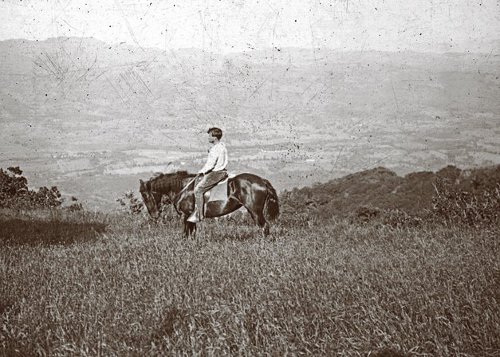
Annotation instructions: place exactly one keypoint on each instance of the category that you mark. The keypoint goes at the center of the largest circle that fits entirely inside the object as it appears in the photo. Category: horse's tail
(271, 206)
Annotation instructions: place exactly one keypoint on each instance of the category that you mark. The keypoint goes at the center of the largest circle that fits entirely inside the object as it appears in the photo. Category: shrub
(14, 192)
(75, 205)
(397, 218)
(453, 205)
(365, 214)
(131, 203)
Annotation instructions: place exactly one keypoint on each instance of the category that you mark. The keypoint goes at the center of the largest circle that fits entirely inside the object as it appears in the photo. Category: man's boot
(194, 217)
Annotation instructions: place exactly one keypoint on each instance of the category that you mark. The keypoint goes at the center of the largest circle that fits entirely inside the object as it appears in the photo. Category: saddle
(219, 192)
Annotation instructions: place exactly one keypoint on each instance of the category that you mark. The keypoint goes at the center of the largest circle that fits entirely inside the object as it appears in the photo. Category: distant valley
(93, 118)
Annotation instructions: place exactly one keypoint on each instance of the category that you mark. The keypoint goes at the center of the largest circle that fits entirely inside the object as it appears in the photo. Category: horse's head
(151, 200)
(164, 188)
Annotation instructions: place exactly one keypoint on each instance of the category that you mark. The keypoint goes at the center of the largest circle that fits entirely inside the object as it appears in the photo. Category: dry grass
(49, 227)
(330, 289)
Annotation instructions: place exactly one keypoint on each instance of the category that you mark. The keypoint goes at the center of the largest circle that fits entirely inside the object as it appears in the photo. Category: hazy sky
(221, 25)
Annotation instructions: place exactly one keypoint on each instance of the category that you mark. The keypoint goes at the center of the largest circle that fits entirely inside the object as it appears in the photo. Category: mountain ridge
(380, 189)
(297, 116)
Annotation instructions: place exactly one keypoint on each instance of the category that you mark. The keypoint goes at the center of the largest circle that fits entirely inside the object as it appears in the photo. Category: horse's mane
(179, 173)
(173, 179)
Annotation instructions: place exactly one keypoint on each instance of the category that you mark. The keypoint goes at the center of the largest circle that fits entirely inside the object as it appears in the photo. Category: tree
(14, 192)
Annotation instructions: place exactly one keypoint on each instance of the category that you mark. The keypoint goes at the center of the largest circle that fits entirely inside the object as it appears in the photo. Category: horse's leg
(255, 206)
(263, 224)
(259, 218)
(185, 227)
(192, 229)
(189, 227)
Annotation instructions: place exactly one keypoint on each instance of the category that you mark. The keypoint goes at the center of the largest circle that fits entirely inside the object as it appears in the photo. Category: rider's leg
(206, 183)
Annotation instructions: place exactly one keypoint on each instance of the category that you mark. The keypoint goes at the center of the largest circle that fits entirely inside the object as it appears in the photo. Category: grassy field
(89, 285)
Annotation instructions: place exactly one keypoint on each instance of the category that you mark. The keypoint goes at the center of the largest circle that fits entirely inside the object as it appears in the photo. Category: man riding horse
(247, 190)
(211, 174)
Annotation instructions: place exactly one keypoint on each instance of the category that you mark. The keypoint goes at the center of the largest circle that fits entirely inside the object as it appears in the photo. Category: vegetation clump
(37, 217)
(130, 203)
(14, 192)
(449, 196)
(453, 204)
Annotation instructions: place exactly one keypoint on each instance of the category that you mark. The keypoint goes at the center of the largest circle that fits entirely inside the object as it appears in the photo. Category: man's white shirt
(217, 158)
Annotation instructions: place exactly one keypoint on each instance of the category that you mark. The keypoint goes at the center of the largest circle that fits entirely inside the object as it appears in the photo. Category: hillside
(380, 188)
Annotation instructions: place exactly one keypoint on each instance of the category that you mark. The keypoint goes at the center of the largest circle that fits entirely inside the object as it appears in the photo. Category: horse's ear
(141, 183)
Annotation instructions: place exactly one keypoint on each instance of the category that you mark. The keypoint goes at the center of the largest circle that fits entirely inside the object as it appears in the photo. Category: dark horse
(254, 193)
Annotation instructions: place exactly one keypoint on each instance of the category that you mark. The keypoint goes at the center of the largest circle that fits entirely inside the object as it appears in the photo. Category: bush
(365, 214)
(453, 205)
(14, 192)
(394, 218)
(400, 219)
(131, 203)
(75, 205)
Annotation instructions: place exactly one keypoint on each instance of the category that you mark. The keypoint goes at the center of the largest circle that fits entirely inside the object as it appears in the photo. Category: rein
(187, 185)
(178, 195)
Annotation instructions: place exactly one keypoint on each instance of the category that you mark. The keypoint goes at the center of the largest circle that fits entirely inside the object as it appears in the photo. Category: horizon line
(273, 49)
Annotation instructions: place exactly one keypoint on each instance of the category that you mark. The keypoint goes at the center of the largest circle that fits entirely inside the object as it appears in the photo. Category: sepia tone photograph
(250, 178)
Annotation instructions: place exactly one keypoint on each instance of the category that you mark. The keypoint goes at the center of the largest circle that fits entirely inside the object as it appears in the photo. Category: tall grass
(49, 227)
(330, 289)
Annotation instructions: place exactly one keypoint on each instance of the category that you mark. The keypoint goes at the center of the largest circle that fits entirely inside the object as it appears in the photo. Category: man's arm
(211, 161)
